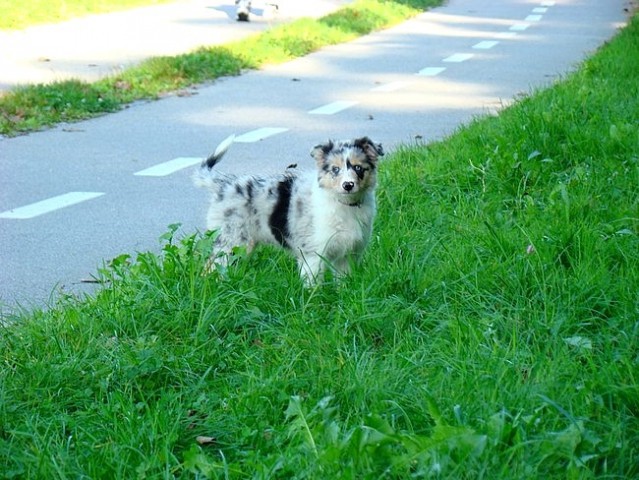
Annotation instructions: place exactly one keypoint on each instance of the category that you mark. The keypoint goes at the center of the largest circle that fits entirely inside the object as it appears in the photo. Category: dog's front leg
(311, 268)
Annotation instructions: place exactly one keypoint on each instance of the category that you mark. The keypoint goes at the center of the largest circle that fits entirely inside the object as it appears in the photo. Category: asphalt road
(77, 195)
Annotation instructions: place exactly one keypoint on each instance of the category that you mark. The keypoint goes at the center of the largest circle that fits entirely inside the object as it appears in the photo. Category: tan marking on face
(346, 171)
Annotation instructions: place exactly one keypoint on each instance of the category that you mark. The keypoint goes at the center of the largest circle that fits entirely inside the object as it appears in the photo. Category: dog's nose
(348, 186)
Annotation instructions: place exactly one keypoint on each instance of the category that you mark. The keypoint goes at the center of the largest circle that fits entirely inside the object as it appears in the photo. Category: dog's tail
(203, 177)
(219, 153)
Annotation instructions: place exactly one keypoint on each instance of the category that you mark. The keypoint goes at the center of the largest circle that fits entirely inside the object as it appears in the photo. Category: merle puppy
(323, 217)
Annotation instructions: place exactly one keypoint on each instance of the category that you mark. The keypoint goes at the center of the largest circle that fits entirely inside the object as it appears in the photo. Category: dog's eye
(357, 168)
(335, 170)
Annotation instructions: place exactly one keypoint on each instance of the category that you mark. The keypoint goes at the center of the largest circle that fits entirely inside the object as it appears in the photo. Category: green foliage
(363, 17)
(322, 445)
(490, 333)
(32, 106)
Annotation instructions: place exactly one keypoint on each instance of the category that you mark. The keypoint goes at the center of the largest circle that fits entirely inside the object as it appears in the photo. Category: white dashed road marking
(458, 57)
(533, 18)
(177, 164)
(332, 108)
(431, 71)
(519, 27)
(49, 205)
(259, 134)
(485, 45)
(167, 168)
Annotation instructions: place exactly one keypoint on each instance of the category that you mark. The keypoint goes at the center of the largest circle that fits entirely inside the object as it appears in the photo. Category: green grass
(33, 107)
(22, 14)
(491, 333)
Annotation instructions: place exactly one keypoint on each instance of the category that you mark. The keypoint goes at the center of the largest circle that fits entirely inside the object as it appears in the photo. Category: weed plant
(32, 107)
(492, 331)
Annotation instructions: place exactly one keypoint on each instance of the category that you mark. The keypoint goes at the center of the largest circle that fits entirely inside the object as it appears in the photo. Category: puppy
(324, 218)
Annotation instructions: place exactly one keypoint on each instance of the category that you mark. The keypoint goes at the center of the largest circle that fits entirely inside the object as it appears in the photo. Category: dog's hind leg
(222, 250)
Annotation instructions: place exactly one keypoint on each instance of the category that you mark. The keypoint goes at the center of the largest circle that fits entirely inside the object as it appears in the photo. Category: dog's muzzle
(348, 186)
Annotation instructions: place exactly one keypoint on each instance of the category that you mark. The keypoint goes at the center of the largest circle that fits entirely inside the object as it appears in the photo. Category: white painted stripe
(458, 57)
(332, 108)
(259, 134)
(390, 87)
(519, 27)
(167, 168)
(533, 18)
(49, 205)
(431, 71)
(548, 4)
(485, 45)
(540, 10)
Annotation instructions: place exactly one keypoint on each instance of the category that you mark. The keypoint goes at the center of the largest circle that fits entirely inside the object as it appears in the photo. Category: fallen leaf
(203, 440)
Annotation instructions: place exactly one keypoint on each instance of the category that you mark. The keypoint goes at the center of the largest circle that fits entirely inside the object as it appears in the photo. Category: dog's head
(348, 168)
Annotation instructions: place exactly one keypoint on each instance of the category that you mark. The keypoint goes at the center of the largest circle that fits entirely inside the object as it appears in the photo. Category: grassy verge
(33, 107)
(492, 331)
(19, 15)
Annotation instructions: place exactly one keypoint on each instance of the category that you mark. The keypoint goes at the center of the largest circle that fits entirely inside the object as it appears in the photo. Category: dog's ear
(320, 151)
(370, 148)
